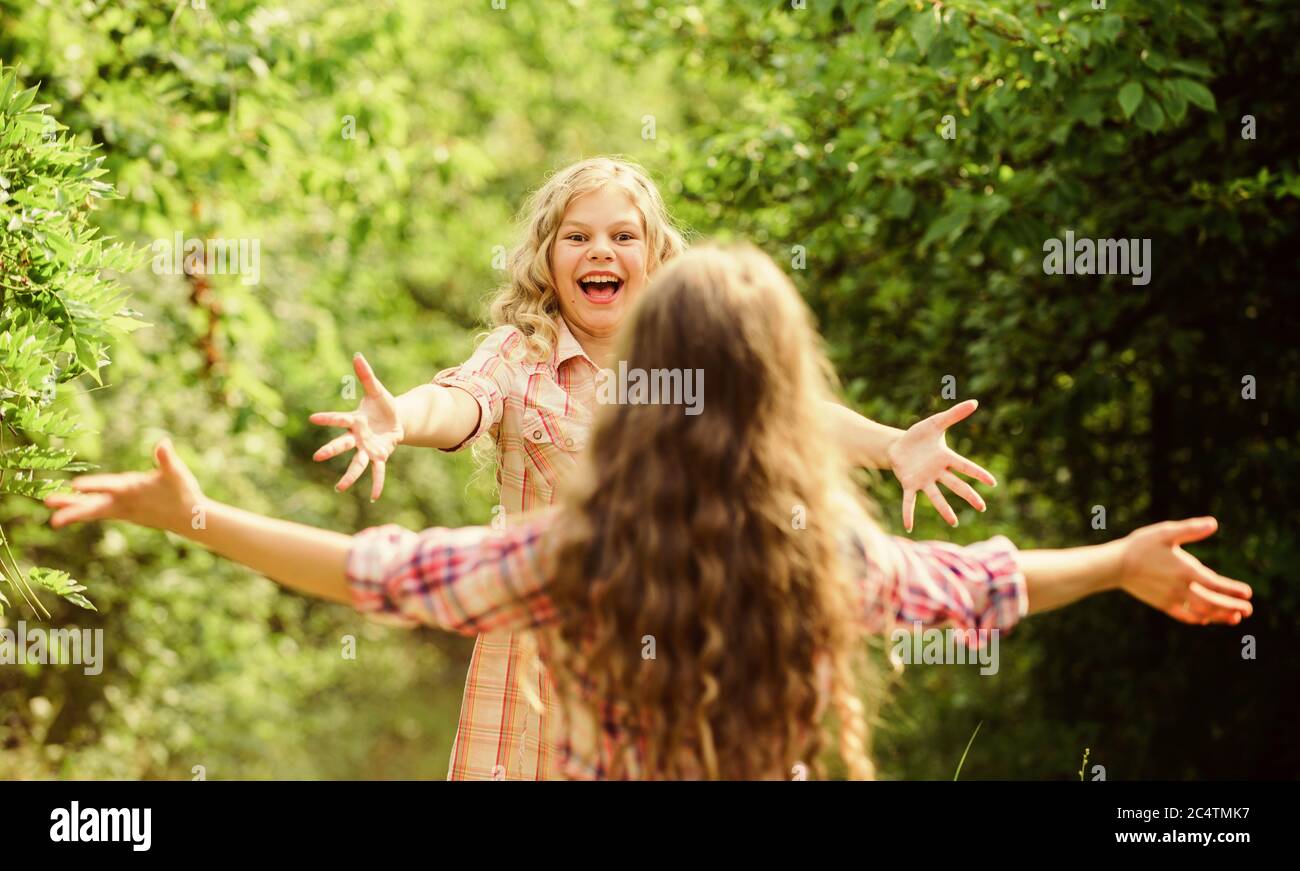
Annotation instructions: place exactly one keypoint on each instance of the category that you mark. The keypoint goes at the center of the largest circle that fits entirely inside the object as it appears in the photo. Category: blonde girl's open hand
(374, 430)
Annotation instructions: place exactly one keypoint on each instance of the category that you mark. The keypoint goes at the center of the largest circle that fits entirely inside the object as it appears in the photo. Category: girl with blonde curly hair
(678, 535)
(593, 235)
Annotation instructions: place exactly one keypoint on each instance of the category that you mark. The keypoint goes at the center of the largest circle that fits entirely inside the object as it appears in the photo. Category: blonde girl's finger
(962, 489)
(332, 418)
(358, 465)
(940, 504)
(335, 447)
(377, 485)
(909, 508)
(369, 382)
(959, 463)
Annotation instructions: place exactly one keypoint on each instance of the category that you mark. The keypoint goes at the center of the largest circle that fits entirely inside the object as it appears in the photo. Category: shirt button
(568, 443)
(537, 434)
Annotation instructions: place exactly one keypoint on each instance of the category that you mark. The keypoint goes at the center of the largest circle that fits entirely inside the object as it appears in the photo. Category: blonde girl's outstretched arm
(458, 406)
(428, 416)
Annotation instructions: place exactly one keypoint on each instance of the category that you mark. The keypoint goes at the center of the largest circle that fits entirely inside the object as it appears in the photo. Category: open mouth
(601, 289)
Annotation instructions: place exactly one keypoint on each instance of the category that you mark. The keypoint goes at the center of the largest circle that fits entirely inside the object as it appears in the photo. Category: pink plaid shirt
(480, 579)
(539, 416)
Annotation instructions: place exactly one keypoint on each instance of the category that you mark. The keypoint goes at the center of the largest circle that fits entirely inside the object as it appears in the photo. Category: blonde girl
(678, 527)
(593, 235)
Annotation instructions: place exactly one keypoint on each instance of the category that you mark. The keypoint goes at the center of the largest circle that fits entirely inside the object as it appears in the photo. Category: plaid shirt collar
(566, 346)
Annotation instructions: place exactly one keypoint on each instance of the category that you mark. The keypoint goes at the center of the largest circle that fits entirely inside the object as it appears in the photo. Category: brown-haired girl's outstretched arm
(301, 557)
(1148, 564)
(918, 456)
(992, 584)
(468, 580)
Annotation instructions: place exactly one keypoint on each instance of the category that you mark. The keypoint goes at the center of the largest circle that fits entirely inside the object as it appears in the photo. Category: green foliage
(57, 307)
(377, 151)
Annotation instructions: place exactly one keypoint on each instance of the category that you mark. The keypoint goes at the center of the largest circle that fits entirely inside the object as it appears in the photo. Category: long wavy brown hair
(717, 538)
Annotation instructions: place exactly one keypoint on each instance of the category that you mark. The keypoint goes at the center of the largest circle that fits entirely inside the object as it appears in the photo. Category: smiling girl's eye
(574, 237)
(625, 237)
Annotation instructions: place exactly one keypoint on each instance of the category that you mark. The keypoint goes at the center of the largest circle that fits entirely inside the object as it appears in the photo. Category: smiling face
(598, 260)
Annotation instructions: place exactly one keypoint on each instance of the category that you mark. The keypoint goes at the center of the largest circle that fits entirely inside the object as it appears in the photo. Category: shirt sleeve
(468, 580)
(488, 376)
(970, 587)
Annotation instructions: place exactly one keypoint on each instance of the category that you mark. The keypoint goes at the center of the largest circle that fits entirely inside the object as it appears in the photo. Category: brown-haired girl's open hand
(374, 429)
(165, 498)
(1156, 570)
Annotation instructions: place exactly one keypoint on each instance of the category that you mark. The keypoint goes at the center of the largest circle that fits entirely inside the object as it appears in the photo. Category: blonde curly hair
(529, 301)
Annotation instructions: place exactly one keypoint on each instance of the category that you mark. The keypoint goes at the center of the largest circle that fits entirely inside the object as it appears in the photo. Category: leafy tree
(57, 308)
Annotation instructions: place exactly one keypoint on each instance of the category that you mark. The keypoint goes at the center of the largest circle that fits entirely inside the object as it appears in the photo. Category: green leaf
(947, 226)
(37, 488)
(7, 89)
(22, 101)
(923, 29)
(60, 584)
(1149, 117)
(901, 202)
(1175, 104)
(35, 457)
(1086, 108)
(88, 356)
(122, 324)
(1155, 60)
(60, 244)
(1109, 29)
(1129, 97)
(1191, 67)
(1196, 93)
